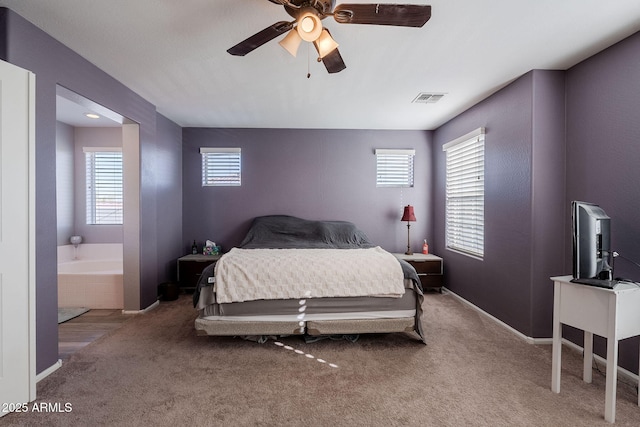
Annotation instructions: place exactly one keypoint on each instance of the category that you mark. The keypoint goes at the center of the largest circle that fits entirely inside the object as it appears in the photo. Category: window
(104, 185)
(394, 168)
(464, 228)
(221, 166)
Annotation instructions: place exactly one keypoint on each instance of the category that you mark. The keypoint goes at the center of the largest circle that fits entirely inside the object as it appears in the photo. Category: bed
(292, 276)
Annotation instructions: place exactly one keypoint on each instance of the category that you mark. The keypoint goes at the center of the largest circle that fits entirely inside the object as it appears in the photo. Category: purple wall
(523, 177)
(547, 190)
(552, 137)
(310, 173)
(28, 47)
(603, 154)
(168, 160)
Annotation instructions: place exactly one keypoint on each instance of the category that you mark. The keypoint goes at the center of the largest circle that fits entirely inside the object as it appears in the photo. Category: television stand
(610, 313)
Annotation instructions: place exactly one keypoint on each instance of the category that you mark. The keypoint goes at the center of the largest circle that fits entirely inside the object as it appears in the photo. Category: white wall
(65, 198)
(92, 137)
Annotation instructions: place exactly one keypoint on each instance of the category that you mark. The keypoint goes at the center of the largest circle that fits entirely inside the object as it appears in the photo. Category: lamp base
(408, 241)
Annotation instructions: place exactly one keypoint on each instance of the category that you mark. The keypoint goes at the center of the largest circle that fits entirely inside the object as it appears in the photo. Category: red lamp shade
(408, 214)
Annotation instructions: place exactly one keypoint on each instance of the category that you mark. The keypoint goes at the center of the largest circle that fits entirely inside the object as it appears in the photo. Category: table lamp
(408, 216)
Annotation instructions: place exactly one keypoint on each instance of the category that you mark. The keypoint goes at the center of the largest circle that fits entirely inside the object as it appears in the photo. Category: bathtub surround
(94, 279)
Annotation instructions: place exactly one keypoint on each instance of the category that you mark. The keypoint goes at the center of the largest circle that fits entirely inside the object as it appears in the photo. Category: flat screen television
(591, 242)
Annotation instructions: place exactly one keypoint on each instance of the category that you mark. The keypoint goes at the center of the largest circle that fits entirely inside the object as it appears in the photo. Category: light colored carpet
(66, 314)
(155, 371)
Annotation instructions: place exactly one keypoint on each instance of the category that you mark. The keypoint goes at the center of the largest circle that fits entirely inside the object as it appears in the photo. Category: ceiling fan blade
(333, 62)
(260, 38)
(401, 15)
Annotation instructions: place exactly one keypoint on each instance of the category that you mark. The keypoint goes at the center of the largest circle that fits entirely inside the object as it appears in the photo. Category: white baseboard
(544, 341)
(50, 370)
(530, 340)
(151, 307)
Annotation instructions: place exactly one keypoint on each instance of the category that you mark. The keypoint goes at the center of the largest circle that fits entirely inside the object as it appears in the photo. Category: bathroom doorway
(83, 129)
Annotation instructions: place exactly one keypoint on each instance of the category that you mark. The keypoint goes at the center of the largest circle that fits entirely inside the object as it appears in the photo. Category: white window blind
(464, 228)
(104, 185)
(394, 168)
(221, 166)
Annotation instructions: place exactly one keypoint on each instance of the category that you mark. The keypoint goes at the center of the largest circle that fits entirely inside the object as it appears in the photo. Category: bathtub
(94, 279)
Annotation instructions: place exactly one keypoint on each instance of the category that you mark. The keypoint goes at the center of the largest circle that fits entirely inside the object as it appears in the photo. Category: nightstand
(190, 269)
(429, 268)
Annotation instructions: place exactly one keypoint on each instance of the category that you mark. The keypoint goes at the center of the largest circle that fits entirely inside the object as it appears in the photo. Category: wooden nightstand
(190, 268)
(429, 268)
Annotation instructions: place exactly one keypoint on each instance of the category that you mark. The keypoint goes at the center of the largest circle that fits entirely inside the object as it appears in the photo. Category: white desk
(610, 313)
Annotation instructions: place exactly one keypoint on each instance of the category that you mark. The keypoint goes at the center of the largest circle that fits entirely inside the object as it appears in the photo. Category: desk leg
(612, 380)
(587, 368)
(612, 364)
(556, 351)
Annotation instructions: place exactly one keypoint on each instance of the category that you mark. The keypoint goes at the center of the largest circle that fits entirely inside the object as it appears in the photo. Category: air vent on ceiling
(428, 98)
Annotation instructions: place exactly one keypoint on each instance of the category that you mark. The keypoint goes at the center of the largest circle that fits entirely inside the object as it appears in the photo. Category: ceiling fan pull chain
(308, 61)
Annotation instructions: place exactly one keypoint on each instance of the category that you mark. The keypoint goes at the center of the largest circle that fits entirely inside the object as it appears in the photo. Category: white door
(17, 237)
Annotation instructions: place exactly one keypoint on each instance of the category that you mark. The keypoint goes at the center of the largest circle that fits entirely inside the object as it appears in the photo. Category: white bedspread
(253, 274)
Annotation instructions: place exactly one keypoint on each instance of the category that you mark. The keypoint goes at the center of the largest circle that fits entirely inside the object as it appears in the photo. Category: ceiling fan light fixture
(291, 42)
(325, 44)
(309, 26)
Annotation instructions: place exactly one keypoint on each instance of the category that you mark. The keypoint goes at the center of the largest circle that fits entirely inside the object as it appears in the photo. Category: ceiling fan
(307, 26)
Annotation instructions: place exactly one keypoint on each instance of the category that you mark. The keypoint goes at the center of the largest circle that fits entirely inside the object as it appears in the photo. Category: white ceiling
(75, 114)
(173, 54)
